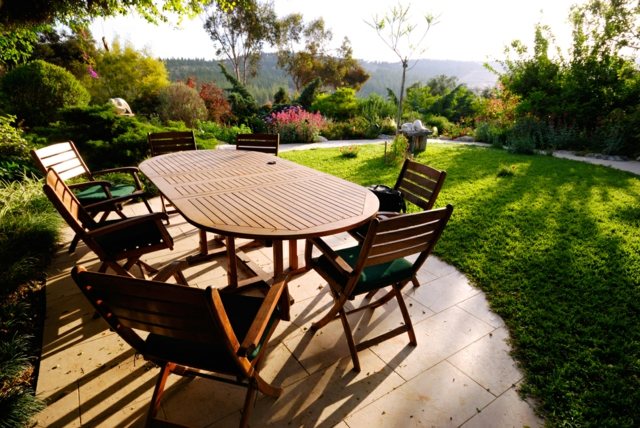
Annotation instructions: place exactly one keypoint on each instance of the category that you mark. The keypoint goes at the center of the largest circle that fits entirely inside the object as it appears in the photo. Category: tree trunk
(405, 63)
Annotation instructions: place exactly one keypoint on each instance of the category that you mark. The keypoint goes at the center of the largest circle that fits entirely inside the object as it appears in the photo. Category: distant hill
(383, 74)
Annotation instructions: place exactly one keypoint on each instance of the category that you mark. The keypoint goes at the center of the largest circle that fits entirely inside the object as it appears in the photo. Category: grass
(555, 245)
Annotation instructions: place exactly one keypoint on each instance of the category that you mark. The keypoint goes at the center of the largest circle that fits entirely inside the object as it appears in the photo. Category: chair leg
(146, 203)
(73, 244)
(158, 391)
(397, 290)
(350, 341)
(249, 401)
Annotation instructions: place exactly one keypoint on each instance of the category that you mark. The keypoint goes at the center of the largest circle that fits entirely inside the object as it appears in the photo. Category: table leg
(202, 244)
(232, 271)
(278, 258)
(293, 254)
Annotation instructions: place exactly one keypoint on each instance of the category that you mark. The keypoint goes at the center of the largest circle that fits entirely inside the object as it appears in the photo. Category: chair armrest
(133, 170)
(331, 255)
(261, 321)
(130, 222)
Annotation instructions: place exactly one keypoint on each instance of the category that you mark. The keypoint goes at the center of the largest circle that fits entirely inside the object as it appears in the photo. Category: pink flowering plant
(295, 124)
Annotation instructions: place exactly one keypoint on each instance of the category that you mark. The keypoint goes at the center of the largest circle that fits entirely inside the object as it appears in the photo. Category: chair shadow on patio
(461, 365)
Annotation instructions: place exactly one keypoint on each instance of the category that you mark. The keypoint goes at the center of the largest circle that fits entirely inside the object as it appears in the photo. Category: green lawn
(555, 245)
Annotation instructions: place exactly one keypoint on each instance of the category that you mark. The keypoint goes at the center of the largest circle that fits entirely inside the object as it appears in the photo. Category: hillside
(383, 74)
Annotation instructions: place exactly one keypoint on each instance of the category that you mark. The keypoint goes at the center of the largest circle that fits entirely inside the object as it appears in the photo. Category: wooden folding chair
(98, 197)
(192, 332)
(265, 143)
(161, 143)
(379, 262)
(118, 243)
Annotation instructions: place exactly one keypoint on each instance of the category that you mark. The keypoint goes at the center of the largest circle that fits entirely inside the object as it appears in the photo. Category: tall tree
(315, 60)
(397, 30)
(239, 34)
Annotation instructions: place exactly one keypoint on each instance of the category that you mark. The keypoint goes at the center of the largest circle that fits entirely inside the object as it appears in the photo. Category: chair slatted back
(403, 236)
(169, 142)
(67, 203)
(170, 310)
(64, 158)
(420, 184)
(265, 143)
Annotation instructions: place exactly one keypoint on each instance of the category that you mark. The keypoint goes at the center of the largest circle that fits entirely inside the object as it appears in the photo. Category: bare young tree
(397, 30)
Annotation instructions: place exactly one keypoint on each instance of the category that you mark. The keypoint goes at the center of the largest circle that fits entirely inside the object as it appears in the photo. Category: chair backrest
(64, 158)
(420, 184)
(266, 143)
(175, 311)
(169, 142)
(67, 203)
(402, 236)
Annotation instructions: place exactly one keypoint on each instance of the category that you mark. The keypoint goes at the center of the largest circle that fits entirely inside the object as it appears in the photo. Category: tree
(215, 102)
(240, 34)
(314, 60)
(398, 27)
(243, 105)
(36, 91)
(70, 50)
(123, 72)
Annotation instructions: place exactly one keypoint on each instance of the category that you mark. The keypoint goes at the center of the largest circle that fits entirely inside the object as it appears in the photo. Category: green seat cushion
(372, 277)
(96, 193)
(214, 356)
(119, 242)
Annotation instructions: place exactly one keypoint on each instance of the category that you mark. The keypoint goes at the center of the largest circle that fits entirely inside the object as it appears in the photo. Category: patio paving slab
(459, 374)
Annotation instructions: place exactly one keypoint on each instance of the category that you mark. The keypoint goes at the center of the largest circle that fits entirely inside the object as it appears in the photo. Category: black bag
(390, 199)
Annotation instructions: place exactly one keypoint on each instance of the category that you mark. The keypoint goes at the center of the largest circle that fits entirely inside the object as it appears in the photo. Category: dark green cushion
(372, 277)
(96, 193)
(241, 311)
(142, 235)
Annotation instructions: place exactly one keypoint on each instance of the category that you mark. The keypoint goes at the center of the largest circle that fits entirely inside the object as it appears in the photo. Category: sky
(467, 30)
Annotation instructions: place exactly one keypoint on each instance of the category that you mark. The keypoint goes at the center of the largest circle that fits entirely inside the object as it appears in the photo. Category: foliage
(594, 93)
(314, 60)
(349, 151)
(209, 130)
(339, 105)
(27, 13)
(295, 125)
(217, 106)
(103, 138)
(180, 102)
(15, 161)
(243, 105)
(555, 248)
(124, 72)
(309, 93)
(352, 129)
(16, 46)
(281, 97)
(74, 51)
(239, 34)
(37, 90)
(398, 149)
(29, 230)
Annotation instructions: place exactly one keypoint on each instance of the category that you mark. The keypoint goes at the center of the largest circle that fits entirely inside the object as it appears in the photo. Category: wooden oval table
(255, 195)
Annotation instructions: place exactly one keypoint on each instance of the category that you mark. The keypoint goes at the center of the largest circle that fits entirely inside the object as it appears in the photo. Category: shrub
(398, 149)
(15, 161)
(527, 135)
(37, 90)
(295, 125)
(218, 108)
(349, 151)
(180, 102)
(488, 132)
(341, 105)
(353, 129)
(208, 130)
(124, 72)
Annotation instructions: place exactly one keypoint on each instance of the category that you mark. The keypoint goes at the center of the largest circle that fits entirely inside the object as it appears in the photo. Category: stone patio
(460, 374)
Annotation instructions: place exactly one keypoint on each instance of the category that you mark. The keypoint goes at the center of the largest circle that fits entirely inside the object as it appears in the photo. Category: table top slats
(246, 194)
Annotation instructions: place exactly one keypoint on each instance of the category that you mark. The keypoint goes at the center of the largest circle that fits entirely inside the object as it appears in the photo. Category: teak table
(258, 196)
